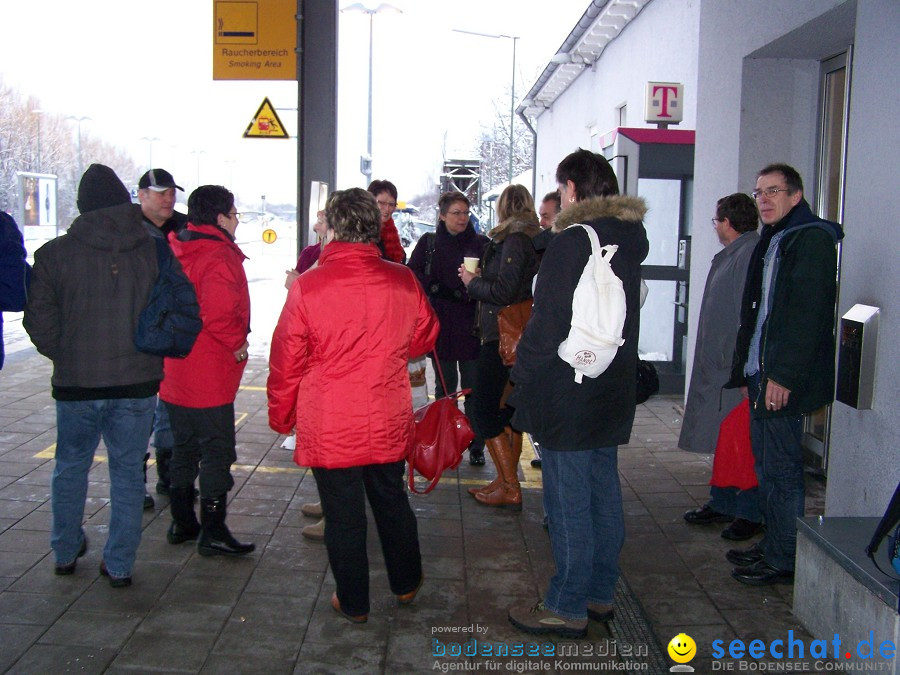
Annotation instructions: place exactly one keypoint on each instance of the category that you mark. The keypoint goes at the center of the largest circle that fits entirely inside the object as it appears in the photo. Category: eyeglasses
(715, 221)
(769, 192)
(459, 213)
(392, 205)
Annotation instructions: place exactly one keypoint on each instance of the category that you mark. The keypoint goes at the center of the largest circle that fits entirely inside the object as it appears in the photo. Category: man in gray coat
(708, 403)
(88, 289)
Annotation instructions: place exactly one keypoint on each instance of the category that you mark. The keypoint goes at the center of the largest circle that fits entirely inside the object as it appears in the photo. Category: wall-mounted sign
(255, 40)
(266, 123)
(664, 102)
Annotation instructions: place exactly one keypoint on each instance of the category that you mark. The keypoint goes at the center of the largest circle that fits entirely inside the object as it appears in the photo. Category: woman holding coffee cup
(435, 261)
(507, 269)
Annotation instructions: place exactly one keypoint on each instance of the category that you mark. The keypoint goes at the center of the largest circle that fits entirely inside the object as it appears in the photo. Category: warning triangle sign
(266, 123)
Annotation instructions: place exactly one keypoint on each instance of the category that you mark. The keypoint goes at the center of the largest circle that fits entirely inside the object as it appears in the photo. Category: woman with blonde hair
(507, 268)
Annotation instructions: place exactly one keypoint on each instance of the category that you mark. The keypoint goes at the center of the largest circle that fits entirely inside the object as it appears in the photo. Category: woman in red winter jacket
(338, 375)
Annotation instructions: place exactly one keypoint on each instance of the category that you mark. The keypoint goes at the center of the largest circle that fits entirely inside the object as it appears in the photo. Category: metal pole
(368, 172)
(512, 110)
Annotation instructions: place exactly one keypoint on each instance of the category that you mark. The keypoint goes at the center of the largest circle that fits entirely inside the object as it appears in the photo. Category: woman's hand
(467, 276)
(241, 354)
(290, 278)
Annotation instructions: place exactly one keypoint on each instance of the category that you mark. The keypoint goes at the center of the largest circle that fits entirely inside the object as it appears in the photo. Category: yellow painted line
(250, 388)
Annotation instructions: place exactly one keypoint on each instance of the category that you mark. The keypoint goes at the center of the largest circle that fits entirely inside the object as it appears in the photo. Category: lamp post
(512, 96)
(38, 112)
(366, 162)
(79, 120)
(150, 140)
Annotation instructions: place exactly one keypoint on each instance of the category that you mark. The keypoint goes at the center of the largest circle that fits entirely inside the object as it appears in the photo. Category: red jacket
(209, 376)
(338, 366)
(390, 239)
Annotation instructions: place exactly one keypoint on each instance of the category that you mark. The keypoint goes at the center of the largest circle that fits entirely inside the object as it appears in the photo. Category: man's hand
(776, 396)
(241, 354)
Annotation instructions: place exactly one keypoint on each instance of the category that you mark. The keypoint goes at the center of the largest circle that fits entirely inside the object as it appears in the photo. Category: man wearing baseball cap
(156, 192)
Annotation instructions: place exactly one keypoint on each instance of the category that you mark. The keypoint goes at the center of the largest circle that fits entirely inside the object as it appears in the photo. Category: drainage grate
(631, 627)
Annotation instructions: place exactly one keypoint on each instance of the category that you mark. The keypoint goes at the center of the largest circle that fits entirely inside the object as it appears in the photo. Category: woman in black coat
(507, 270)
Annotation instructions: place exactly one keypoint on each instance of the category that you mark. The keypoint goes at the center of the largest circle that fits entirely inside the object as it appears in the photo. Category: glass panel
(658, 321)
(833, 144)
(663, 197)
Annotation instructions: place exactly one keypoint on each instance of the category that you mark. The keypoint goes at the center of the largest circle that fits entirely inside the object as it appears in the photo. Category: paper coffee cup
(471, 264)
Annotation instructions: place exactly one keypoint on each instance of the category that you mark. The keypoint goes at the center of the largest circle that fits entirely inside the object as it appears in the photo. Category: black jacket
(560, 413)
(797, 342)
(507, 270)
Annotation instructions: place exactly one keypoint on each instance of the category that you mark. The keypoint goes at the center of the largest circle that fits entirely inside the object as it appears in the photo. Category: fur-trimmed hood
(526, 222)
(621, 207)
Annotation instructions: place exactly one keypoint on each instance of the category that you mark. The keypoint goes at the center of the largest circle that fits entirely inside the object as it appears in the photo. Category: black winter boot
(148, 499)
(163, 458)
(215, 539)
(184, 525)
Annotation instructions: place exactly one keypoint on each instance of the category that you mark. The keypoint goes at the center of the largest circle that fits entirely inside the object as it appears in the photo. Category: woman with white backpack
(578, 412)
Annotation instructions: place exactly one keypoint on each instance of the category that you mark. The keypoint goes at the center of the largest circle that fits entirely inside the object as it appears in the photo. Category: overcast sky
(145, 70)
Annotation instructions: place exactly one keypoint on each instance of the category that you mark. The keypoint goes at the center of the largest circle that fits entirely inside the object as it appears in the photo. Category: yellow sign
(269, 236)
(266, 123)
(254, 40)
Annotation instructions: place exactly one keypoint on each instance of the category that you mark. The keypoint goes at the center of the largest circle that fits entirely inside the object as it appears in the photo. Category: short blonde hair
(354, 216)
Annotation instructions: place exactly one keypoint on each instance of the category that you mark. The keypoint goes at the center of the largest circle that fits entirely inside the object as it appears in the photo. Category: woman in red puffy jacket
(338, 375)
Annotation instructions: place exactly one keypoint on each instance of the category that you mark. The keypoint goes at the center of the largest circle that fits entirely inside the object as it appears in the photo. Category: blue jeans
(162, 428)
(583, 503)
(124, 425)
(735, 502)
(778, 455)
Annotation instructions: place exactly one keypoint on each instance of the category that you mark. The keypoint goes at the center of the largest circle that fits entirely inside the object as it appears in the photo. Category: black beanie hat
(99, 188)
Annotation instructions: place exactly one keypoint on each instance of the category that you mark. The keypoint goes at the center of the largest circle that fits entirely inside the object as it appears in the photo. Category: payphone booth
(658, 165)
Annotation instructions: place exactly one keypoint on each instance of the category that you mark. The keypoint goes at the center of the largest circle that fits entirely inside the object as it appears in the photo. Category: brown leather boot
(490, 487)
(508, 494)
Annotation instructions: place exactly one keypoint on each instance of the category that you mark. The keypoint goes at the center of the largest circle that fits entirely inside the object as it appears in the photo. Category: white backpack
(598, 314)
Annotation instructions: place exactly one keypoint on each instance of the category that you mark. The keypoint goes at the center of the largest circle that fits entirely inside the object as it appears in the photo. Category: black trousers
(343, 493)
(204, 446)
(466, 378)
(488, 417)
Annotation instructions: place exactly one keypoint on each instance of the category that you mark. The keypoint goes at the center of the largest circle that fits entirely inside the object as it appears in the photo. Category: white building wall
(659, 45)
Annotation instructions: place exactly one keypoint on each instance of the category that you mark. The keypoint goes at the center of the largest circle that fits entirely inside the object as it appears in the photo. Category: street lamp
(38, 112)
(150, 140)
(79, 120)
(366, 162)
(512, 96)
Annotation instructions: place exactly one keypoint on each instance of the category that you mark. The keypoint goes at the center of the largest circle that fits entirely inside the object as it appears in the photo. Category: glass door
(835, 99)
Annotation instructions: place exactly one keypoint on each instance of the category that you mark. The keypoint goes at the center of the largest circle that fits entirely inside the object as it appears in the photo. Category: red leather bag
(443, 433)
(733, 462)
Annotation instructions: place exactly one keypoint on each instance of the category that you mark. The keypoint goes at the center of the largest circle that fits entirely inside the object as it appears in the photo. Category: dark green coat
(797, 342)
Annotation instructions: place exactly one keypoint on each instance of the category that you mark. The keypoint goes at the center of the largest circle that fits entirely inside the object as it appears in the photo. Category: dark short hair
(449, 198)
(740, 210)
(354, 216)
(591, 174)
(207, 202)
(792, 179)
(376, 187)
(553, 197)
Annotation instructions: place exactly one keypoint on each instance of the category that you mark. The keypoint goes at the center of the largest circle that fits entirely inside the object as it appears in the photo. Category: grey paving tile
(149, 652)
(10, 508)
(37, 609)
(251, 639)
(185, 617)
(304, 584)
(317, 658)
(91, 629)
(16, 641)
(228, 664)
(43, 658)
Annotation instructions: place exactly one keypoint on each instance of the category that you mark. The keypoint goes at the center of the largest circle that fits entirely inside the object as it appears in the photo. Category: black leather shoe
(115, 582)
(178, 534)
(65, 570)
(476, 457)
(762, 573)
(148, 501)
(706, 516)
(741, 530)
(744, 557)
(207, 545)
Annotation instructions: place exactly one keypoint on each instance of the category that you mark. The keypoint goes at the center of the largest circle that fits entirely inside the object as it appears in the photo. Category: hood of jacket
(526, 222)
(114, 228)
(194, 240)
(621, 207)
(800, 216)
(100, 188)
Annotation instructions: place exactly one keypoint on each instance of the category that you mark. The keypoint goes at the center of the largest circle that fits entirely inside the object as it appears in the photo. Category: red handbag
(733, 462)
(442, 435)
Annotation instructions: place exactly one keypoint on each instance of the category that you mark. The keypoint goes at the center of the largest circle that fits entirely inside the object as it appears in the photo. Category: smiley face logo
(682, 648)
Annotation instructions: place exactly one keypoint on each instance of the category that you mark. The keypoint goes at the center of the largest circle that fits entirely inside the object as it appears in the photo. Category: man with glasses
(156, 193)
(784, 359)
(707, 405)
